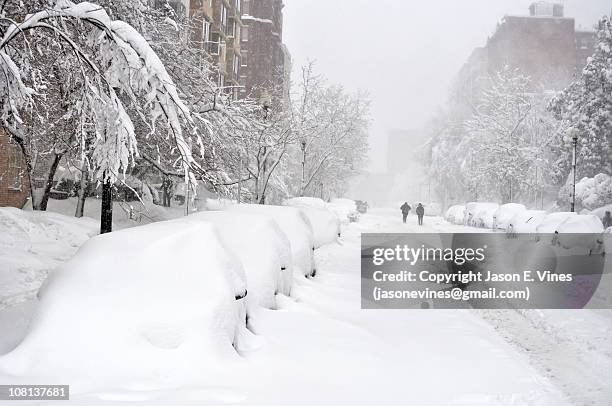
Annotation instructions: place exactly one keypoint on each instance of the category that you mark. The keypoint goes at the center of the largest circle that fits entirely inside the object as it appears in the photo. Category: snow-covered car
(526, 222)
(296, 226)
(481, 215)
(261, 246)
(474, 208)
(505, 213)
(455, 214)
(601, 212)
(582, 231)
(137, 302)
(345, 209)
(325, 223)
(550, 224)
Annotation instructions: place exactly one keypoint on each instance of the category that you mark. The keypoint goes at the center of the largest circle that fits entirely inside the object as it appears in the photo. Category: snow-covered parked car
(455, 214)
(504, 214)
(480, 214)
(526, 222)
(550, 224)
(345, 209)
(582, 231)
(137, 302)
(296, 226)
(601, 212)
(325, 223)
(261, 246)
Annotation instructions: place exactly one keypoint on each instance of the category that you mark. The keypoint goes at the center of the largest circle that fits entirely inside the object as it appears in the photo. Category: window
(244, 54)
(245, 33)
(238, 5)
(14, 168)
(223, 18)
(246, 7)
(212, 46)
(230, 28)
(205, 32)
(236, 66)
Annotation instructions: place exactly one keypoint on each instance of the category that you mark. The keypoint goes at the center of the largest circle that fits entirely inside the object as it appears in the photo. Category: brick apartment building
(544, 45)
(13, 174)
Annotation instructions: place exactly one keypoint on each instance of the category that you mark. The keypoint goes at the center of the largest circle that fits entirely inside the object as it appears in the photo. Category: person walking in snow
(607, 220)
(420, 211)
(405, 211)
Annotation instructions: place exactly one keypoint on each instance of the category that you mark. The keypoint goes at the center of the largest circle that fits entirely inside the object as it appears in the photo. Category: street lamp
(575, 134)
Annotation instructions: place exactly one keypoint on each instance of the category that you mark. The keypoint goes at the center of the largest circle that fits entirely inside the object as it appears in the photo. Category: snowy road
(320, 348)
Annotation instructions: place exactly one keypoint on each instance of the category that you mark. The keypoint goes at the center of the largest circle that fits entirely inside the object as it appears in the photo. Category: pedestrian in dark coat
(420, 211)
(405, 210)
(607, 220)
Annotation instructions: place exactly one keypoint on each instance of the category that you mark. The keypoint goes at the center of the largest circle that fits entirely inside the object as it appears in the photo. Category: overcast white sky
(404, 52)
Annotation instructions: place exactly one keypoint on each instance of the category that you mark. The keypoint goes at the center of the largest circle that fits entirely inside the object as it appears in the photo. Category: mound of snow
(325, 224)
(162, 301)
(481, 215)
(505, 213)
(344, 209)
(261, 246)
(296, 226)
(455, 214)
(550, 224)
(582, 231)
(526, 222)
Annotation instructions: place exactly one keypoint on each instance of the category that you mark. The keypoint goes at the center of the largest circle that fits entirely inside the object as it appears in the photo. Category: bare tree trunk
(82, 194)
(44, 200)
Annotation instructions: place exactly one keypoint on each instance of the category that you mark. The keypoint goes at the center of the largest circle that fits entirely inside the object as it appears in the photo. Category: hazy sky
(405, 53)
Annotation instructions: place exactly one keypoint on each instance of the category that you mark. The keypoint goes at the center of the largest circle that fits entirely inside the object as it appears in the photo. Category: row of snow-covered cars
(197, 279)
(516, 218)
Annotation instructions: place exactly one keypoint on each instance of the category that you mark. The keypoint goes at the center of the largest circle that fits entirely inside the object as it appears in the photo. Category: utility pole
(106, 215)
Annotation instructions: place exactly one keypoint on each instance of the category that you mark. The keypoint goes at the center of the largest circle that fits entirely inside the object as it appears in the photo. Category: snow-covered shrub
(455, 214)
(168, 297)
(261, 246)
(325, 223)
(591, 193)
(526, 221)
(296, 226)
(551, 223)
(505, 213)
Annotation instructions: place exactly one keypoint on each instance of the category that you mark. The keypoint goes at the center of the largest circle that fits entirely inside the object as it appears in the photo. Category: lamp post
(574, 159)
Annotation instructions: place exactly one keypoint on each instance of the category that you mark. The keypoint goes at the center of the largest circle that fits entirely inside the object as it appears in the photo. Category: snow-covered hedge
(261, 246)
(325, 223)
(296, 226)
(505, 213)
(526, 222)
(168, 299)
(455, 214)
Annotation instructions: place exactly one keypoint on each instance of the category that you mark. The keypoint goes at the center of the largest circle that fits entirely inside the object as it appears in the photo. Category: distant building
(13, 174)
(544, 45)
(264, 57)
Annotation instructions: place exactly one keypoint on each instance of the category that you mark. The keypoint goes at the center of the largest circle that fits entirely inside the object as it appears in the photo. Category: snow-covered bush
(505, 213)
(296, 226)
(595, 192)
(551, 223)
(455, 214)
(169, 298)
(261, 246)
(526, 222)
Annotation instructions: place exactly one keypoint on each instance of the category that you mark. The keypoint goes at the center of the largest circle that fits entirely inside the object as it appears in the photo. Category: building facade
(264, 57)
(13, 174)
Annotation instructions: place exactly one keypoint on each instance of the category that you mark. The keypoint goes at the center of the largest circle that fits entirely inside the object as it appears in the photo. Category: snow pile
(482, 214)
(594, 192)
(526, 222)
(34, 243)
(582, 231)
(325, 224)
(296, 226)
(455, 214)
(263, 249)
(344, 209)
(505, 213)
(550, 224)
(166, 307)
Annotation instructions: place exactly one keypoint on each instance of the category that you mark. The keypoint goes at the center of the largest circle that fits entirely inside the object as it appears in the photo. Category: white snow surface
(263, 249)
(505, 213)
(153, 303)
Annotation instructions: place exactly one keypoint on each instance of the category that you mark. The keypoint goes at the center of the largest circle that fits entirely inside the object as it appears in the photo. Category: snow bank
(261, 246)
(482, 215)
(296, 226)
(344, 209)
(526, 222)
(550, 224)
(158, 302)
(504, 214)
(325, 223)
(455, 214)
